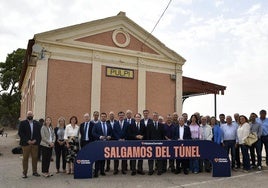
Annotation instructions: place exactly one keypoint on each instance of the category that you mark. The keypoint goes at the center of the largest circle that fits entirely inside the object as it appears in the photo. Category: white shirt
(181, 132)
(70, 131)
(243, 132)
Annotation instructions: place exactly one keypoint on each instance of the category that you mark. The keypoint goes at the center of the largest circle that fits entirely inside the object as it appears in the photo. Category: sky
(223, 41)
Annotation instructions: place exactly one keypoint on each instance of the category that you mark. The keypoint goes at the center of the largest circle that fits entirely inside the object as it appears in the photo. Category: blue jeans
(246, 161)
(194, 165)
(256, 147)
(230, 144)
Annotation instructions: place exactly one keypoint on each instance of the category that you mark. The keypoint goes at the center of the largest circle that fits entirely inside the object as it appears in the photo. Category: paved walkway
(11, 168)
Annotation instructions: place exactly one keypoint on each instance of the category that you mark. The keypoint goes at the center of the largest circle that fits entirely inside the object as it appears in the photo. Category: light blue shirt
(264, 125)
(229, 132)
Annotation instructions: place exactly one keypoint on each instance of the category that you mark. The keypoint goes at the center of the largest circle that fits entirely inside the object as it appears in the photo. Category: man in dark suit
(101, 131)
(120, 133)
(85, 130)
(182, 132)
(136, 131)
(155, 131)
(129, 118)
(111, 121)
(30, 137)
(145, 121)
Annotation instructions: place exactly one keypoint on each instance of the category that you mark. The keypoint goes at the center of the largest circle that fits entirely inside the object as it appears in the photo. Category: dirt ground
(11, 171)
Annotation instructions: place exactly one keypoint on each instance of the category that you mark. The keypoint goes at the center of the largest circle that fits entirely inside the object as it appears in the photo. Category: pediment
(117, 32)
(118, 38)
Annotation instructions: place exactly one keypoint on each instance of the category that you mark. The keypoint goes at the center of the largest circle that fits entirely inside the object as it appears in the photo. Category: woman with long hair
(47, 144)
(60, 145)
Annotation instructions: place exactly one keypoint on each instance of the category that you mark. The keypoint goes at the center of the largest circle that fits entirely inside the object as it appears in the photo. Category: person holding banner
(155, 131)
(195, 133)
(85, 130)
(112, 121)
(182, 132)
(120, 133)
(169, 132)
(102, 131)
(136, 132)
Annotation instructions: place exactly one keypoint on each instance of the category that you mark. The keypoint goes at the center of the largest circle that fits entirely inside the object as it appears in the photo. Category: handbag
(251, 139)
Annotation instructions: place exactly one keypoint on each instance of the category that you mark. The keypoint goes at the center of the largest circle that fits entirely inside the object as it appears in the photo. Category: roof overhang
(193, 87)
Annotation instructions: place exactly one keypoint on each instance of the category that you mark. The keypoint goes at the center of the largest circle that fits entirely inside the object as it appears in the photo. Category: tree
(10, 95)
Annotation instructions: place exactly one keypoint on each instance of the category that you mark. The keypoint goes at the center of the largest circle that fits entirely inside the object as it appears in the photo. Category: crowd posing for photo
(66, 140)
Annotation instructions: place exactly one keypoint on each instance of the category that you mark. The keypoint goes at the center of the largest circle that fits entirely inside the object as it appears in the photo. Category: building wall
(118, 94)
(160, 93)
(28, 96)
(68, 89)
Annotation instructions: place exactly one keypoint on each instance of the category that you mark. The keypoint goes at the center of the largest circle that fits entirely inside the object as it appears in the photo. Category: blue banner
(150, 149)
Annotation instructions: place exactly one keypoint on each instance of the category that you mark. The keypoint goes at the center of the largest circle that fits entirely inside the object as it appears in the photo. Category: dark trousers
(99, 166)
(264, 140)
(108, 163)
(182, 164)
(39, 152)
(60, 151)
(84, 142)
(230, 145)
(133, 165)
(159, 165)
(246, 161)
(237, 156)
(256, 147)
(170, 164)
(46, 157)
(204, 163)
(123, 165)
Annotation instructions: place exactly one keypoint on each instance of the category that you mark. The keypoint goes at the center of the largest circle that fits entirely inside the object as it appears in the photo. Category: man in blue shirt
(264, 138)
(229, 138)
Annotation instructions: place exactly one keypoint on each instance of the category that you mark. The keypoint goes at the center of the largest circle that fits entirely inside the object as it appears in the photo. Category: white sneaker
(259, 167)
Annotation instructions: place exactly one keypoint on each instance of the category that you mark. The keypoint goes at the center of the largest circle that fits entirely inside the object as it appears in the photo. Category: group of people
(66, 140)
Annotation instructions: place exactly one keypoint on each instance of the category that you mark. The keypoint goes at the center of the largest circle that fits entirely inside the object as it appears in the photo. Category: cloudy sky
(223, 41)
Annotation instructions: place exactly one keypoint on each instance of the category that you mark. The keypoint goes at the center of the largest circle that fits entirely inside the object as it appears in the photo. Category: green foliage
(10, 94)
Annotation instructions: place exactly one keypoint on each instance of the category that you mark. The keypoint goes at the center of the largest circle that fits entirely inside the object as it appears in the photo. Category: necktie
(86, 132)
(156, 126)
(138, 126)
(121, 125)
(104, 129)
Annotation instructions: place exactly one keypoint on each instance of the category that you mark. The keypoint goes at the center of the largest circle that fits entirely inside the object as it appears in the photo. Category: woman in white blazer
(47, 144)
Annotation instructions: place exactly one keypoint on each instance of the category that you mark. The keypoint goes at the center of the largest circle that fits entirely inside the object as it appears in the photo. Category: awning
(193, 87)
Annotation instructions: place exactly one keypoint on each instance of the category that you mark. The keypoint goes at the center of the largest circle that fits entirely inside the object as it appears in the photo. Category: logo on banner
(82, 162)
(221, 160)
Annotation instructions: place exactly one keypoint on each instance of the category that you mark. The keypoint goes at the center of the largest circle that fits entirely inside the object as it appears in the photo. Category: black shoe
(141, 172)
(177, 171)
(159, 173)
(186, 172)
(103, 174)
(173, 170)
(133, 173)
(115, 172)
(150, 173)
(96, 175)
(107, 169)
(36, 174)
(24, 176)
(123, 172)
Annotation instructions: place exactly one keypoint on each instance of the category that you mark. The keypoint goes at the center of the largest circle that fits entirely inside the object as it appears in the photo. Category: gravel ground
(11, 171)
